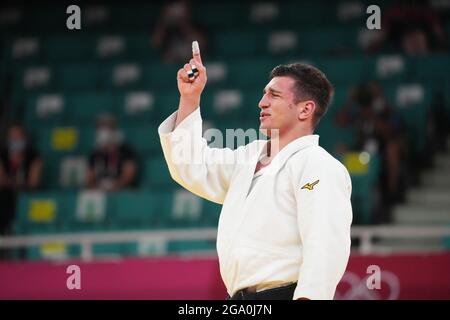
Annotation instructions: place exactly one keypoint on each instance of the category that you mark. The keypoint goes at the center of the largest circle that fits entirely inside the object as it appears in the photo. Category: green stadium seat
(44, 212)
(139, 46)
(58, 140)
(167, 102)
(364, 171)
(51, 171)
(68, 48)
(156, 175)
(137, 107)
(231, 44)
(327, 41)
(220, 15)
(144, 139)
(315, 13)
(211, 212)
(183, 209)
(157, 76)
(87, 140)
(83, 109)
(332, 137)
(134, 210)
(250, 73)
(391, 67)
(431, 67)
(84, 76)
(44, 110)
(123, 75)
(22, 50)
(413, 107)
(345, 70)
(127, 17)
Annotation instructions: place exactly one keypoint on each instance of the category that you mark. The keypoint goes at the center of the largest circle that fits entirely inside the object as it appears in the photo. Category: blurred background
(82, 176)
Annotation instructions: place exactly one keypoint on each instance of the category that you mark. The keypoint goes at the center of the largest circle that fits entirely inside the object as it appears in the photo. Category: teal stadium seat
(144, 139)
(135, 210)
(43, 212)
(431, 67)
(238, 43)
(157, 76)
(221, 15)
(44, 110)
(363, 187)
(156, 175)
(84, 108)
(345, 70)
(84, 76)
(70, 47)
(137, 108)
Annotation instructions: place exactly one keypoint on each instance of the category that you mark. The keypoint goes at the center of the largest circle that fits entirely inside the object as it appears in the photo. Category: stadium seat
(70, 47)
(364, 170)
(144, 139)
(44, 110)
(84, 108)
(156, 175)
(81, 76)
(44, 212)
(135, 210)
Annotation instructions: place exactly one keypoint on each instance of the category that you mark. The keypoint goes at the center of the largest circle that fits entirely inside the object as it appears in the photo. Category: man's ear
(306, 109)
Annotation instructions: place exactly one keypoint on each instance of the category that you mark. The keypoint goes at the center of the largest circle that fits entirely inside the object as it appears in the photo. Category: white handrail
(86, 240)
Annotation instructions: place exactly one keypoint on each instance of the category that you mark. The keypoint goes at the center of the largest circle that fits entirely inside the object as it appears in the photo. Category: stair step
(442, 161)
(437, 179)
(416, 214)
(430, 196)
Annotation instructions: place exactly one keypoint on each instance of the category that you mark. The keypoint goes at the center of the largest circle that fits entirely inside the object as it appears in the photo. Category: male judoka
(284, 228)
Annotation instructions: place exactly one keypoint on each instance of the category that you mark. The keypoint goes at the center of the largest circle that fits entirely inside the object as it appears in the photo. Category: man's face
(16, 140)
(107, 137)
(278, 110)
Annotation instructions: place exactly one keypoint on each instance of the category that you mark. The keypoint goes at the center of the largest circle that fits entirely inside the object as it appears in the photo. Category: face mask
(106, 136)
(16, 146)
(378, 105)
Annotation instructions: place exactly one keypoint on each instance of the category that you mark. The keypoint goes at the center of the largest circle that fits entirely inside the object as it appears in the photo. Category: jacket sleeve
(324, 214)
(198, 168)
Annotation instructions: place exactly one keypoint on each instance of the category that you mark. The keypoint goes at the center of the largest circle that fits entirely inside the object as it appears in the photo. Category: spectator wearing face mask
(20, 170)
(112, 165)
(380, 131)
(175, 31)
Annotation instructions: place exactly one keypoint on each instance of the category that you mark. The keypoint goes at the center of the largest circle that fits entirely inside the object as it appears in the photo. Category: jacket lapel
(293, 147)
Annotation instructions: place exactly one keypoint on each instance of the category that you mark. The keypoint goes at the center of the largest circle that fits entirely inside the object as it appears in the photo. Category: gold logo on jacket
(310, 186)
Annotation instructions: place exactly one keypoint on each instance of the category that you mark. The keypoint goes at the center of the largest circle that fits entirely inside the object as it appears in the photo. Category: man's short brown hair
(310, 84)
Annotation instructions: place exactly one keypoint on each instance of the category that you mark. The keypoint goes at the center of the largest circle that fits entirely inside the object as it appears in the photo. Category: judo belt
(279, 293)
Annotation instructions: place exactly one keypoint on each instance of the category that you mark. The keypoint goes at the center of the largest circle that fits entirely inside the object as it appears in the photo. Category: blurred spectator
(379, 129)
(175, 31)
(112, 165)
(20, 169)
(411, 27)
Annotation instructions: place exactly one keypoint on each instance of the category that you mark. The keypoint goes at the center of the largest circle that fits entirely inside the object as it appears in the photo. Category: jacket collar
(292, 147)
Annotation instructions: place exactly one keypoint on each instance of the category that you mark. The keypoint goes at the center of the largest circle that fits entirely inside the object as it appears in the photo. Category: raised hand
(191, 79)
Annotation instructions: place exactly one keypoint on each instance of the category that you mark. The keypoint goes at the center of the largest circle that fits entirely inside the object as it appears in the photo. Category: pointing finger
(196, 52)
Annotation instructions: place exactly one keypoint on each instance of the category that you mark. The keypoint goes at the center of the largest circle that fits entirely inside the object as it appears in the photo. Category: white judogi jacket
(288, 228)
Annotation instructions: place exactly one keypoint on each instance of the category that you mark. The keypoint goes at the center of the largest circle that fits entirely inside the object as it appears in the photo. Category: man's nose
(263, 103)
